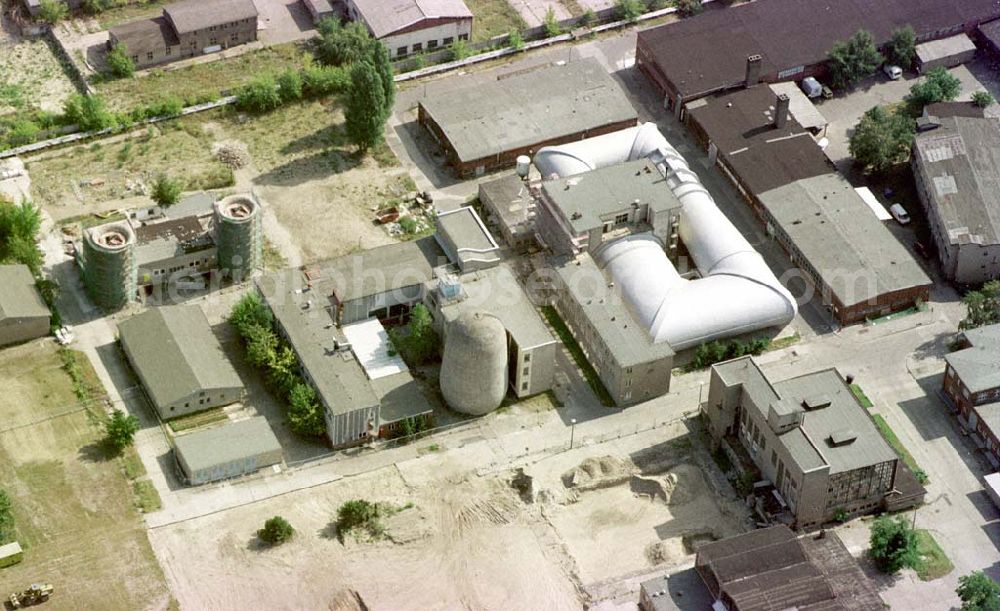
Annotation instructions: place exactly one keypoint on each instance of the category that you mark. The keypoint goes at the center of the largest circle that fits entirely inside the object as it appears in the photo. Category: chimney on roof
(781, 110)
(753, 70)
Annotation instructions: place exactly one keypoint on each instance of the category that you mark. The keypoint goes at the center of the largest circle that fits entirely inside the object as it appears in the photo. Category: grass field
(493, 18)
(75, 511)
(933, 561)
(130, 12)
(100, 172)
(890, 437)
(31, 76)
(202, 418)
(211, 78)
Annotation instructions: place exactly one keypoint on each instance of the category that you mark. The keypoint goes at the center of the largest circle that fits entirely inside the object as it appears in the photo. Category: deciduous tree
(881, 139)
(854, 59)
(893, 544)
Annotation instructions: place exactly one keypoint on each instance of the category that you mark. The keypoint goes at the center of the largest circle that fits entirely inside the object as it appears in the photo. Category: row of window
(431, 45)
(231, 24)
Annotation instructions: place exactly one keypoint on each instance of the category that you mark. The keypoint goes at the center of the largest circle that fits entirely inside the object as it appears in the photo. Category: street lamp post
(572, 431)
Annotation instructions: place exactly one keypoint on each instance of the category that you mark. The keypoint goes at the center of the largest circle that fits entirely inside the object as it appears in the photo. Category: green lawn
(75, 512)
(147, 499)
(890, 436)
(559, 326)
(933, 561)
(493, 18)
(861, 397)
(201, 79)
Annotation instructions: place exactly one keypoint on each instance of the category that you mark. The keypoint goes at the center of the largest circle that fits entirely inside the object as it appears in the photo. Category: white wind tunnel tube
(737, 292)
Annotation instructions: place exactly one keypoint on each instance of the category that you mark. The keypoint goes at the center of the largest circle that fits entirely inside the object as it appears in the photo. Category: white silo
(474, 367)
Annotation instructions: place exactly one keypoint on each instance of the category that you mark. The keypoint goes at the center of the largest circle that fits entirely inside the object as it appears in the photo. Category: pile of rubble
(232, 153)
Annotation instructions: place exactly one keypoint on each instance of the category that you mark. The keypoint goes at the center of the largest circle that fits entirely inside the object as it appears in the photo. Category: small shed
(227, 451)
(10, 554)
(946, 52)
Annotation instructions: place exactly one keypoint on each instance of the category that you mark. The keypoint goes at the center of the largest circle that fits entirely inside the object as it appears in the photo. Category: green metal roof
(175, 353)
(19, 297)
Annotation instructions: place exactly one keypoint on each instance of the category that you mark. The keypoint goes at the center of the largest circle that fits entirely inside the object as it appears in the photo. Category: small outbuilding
(10, 554)
(945, 53)
(23, 313)
(179, 361)
(227, 451)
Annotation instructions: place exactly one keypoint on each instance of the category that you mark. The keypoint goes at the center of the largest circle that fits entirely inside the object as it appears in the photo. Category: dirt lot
(31, 76)
(469, 541)
(74, 510)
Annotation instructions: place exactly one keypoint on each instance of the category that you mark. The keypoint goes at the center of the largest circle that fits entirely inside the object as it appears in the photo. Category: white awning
(373, 349)
(869, 198)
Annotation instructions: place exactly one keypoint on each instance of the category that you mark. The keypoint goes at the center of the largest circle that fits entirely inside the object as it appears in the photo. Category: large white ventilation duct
(737, 292)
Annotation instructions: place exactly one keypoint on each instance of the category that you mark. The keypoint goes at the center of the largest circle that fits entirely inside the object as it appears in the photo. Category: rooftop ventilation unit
(816, 402)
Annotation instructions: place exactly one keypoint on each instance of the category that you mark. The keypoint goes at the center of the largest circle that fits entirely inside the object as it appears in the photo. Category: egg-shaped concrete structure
(474, 367)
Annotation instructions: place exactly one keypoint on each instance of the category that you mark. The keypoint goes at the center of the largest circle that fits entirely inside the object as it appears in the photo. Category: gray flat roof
(528, 108)
(850, 249)
(961, 162)
(386, 17)
(174, 351)
(605, 310)
(19, 297)
(337, 376)
(496, 291)
(810, 444)
(507, 197)
(843, 414)
(466, 231)
(945, 47)
(191, 15)
(228, 443)
(800, 106)
(400, 397)
(979, 365)
(379, 270)
(587, 200)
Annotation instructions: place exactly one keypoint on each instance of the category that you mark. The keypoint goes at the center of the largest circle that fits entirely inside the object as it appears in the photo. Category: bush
(881, 139)
(459, 50)
(588, 18)
(258, 96)
(689, 8)
(119, 61)
(515, 40)
(276, 531)
(976, 591)
(19, 226)
(421, 343)
(169, 106)
(166, 191)
(358, 514)
(982, 99)
(853, 60)
(305, 415)
(290, 86)
(551, 24)
(53, 11)
(902, 47)
(630, 9)
(22, 132)
(318, 81)
(893, 544)
(120, 430)
(938, 85)
(7, 532)
(339, 45)
(88, 112)
(248, 313)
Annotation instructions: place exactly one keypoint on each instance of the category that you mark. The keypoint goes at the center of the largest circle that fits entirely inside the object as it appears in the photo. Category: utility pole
(572, 431)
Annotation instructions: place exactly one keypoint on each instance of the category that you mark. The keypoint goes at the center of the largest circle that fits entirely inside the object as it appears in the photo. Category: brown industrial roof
(192, 15)
(771, 568)
(707, 53)
(145, 35)
(765, 157)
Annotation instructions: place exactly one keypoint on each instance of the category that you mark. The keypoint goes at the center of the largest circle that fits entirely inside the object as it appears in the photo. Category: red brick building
(972, 385)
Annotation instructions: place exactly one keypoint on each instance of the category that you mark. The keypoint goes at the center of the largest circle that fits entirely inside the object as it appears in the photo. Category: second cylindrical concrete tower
(239, 236)
(109, 270)
(474, 367)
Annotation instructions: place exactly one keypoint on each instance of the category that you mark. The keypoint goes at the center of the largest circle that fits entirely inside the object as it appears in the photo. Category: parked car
(893, 72)
(811, 87)
(827, 93)
(899, 213)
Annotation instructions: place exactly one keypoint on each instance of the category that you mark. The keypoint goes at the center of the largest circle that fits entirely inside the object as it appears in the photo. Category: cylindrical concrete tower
(474, 367)
(109, 269)
(239, 236)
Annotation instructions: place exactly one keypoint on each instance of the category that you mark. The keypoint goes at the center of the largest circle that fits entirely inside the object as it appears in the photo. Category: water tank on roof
(523, 163)
(109, 266)
(474, 367)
